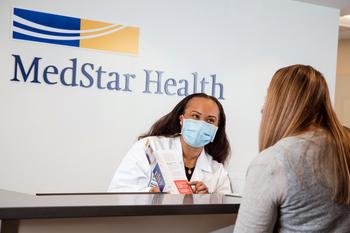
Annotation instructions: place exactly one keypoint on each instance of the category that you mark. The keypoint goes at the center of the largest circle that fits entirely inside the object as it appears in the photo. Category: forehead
(203, 105)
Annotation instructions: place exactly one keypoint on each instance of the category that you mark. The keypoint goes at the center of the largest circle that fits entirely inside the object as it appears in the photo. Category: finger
(201, 187)
(155, 190)
(193, 187)
(193, 182)
(199, 184)
(203, 192)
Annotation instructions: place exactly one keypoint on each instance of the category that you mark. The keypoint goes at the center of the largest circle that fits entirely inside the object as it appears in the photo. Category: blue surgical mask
(197, 133)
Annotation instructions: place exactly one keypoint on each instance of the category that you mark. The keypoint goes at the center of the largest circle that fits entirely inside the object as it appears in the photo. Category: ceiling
(344, 6)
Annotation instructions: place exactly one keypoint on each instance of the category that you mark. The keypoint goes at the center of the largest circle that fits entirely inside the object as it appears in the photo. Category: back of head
(297, 100)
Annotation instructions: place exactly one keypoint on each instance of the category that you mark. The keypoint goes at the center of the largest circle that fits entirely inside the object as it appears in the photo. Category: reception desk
(116, 212)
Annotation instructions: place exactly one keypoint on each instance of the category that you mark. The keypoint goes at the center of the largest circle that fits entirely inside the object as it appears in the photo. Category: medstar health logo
(69, 31)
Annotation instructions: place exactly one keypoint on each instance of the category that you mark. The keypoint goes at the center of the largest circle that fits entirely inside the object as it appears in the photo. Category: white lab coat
(133, 174)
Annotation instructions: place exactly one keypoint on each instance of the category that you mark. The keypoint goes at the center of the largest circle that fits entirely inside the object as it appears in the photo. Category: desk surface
(14, 205)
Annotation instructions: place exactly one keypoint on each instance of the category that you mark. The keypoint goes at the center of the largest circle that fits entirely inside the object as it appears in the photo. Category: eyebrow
(212, 116)
(194, 111)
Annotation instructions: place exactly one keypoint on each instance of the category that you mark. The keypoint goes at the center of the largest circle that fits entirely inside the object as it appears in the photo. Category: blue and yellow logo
(70, 31)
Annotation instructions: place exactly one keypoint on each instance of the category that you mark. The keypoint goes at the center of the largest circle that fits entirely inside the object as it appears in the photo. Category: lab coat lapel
(178, 149)
(203, 168)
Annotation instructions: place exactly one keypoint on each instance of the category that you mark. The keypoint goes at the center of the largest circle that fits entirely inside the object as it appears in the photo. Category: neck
(190, 154)
(312, 127)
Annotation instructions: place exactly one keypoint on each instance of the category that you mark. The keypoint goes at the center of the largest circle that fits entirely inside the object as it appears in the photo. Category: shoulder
(139, 144)
(161, 142)
(277, 159)
(267, 174)
(152, 138)
(291, 148)
(286, 147)
(158, 143)
(268, 165)
(269, 155)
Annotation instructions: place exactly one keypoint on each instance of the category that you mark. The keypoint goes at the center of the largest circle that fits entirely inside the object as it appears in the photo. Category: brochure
(167, 172)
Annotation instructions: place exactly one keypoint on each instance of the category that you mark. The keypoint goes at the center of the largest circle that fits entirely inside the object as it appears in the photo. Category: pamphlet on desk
(166, 171)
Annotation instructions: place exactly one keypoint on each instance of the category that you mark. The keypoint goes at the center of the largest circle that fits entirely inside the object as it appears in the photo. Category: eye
(196, 116)
(211, 121)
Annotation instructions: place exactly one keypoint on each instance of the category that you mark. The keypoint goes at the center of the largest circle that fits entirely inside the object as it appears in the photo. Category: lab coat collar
(203, 162)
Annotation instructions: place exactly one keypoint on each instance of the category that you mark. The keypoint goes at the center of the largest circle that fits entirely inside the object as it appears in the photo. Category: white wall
(342, 94)
(62, 139)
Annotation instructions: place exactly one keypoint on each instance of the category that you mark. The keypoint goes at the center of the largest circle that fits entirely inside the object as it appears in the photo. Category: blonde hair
(298, 99)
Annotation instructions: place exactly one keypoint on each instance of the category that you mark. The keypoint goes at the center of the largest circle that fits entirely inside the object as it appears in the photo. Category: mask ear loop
(216, 130)
(181, 124)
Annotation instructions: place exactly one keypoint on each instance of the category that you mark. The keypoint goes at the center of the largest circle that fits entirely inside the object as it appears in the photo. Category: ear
(181, 117)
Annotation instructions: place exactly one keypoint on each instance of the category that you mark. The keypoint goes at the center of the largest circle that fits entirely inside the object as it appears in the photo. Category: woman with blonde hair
(300, 181)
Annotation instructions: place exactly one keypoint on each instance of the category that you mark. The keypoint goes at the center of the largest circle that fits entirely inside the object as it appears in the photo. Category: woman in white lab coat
(195, 130)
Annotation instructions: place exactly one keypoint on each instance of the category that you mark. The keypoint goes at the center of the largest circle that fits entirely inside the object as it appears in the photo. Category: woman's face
(202, 109)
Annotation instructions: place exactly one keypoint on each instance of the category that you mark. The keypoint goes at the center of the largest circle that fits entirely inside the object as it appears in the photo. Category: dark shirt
(189, 172)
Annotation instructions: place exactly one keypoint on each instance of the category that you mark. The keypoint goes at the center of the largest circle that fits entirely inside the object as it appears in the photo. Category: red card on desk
(183, 187)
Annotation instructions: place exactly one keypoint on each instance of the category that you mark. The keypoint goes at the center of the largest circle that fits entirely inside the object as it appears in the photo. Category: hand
(154, 190)
(198, 187)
